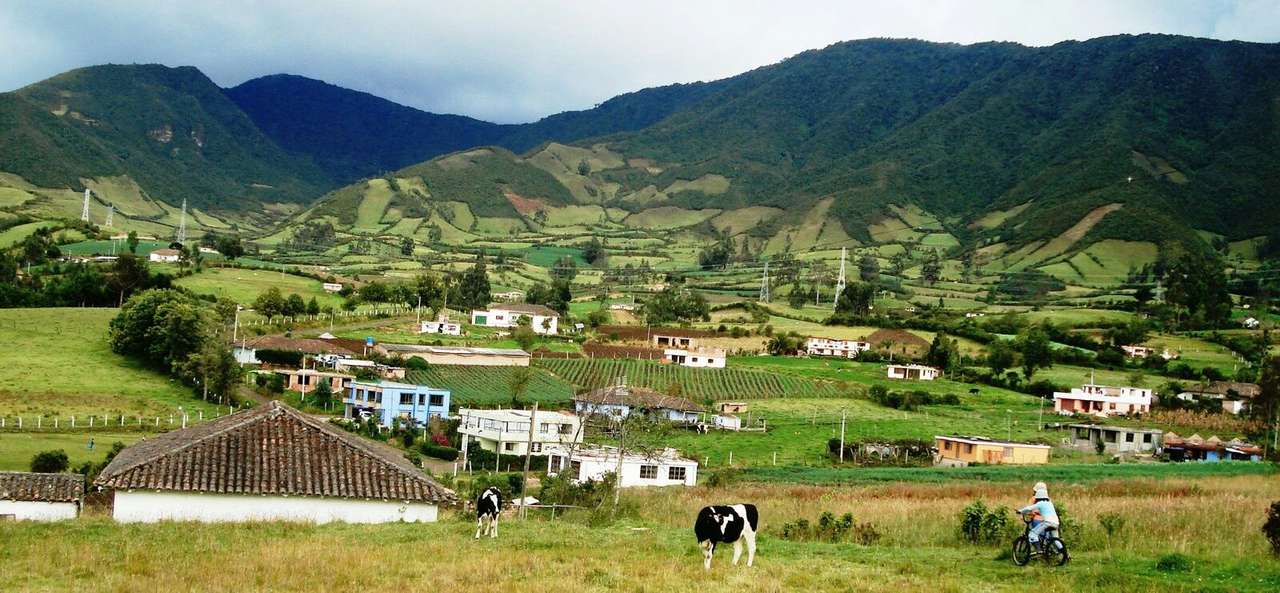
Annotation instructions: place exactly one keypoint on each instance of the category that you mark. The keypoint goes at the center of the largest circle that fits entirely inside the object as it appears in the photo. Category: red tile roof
(33, 487)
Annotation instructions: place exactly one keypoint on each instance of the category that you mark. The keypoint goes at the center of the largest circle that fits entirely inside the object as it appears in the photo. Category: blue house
(387, 400)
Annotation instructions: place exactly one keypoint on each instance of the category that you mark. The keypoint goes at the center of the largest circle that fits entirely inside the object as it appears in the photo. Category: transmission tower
(182, 223)
(764, 284)
(111, 212)
(84, 212)
(839, 279)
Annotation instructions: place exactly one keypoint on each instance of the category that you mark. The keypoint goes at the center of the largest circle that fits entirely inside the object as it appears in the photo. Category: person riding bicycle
(1044, 515)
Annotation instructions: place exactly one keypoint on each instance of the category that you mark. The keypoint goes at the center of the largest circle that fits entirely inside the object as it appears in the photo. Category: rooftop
(598, 452)
(271, 449)
(1132, 429)
(455, 350)
(509, 415)
(33, 487)
(525, 308)
(987, 441)
(1223, 387)
(638, 397)
(308, 345)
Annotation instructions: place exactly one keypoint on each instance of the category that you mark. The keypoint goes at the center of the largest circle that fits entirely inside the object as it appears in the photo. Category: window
(566, 429)
(406, 399)
(648, 472)
(968, 448)
(508, 446)
(536, 448)
(377, 397)
(1008, 452)
(554, 464)
(1128, 437)
(575, 470)
(437, 399)
(675, 473)
(1146, 438)
(946, 445)
(544, 427)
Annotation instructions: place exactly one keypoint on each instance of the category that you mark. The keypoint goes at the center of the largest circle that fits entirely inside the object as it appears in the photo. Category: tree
(132, 241)
(313, 307)
(868, 268)
(1196, 285)
(717, 255)
(1033, 345)
(799, 297)
(518, 383)
(473, 290)
(785, 344)
(676, 306)
(856, 300)
(294, 305)
(430, 291)
(565, 268)
(163, 327)
(128, 273)
(931, 272)
(50, 462)
(216, 369)
(322, 397)
(944, 353)
(1265, 408)
(406, 246)
(229, 247)
(1000, 356)
(593, 252)
(1143, 295)
(270, 303)
(524, 336)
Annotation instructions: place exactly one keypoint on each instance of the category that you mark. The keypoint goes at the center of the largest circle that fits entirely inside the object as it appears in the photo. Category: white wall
(150, 506)
(596, 469)
(25, 510)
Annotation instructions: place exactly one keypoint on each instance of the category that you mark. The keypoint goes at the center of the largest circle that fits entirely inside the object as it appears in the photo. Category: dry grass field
(1212, 522)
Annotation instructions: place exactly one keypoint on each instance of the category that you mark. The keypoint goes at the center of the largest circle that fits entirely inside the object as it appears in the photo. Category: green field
(14, 235)
(699, 385)
(547, 255)
(65, 367)
(17, 448)
(244, 285)
(1008, 473)
(109, 247)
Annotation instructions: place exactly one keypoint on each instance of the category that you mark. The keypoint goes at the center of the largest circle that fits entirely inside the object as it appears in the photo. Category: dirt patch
(1086, 224)
(898, 337)
(525, 206)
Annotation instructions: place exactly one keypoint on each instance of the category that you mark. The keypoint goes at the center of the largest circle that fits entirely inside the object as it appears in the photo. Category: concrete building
(331, 287)
(912, 372)
(542, 319)
(961, 451)
(620, 401)
(707, 358)
(507, 431)
(268, 463)
(815, 346)
(246, 352)
(306, 380)
(388, 401)
(355, 365)
(510, 296)
(1139, 351)
(664, 468)
(440, 326)
(164, 256)
(666, 338)
(26, 496)
(1115, 439)
(459, 355)
(1235, 396)
(1101, 400)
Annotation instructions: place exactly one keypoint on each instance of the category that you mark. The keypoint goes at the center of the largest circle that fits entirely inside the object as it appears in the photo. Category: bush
(50, 462)
(590, 494)
(721, 478)
(830, 529)
(437, 451)
(416, 363)
(1271, 528)
(280, 357)
(982, 525)
(1173, 563)
(1112, 523)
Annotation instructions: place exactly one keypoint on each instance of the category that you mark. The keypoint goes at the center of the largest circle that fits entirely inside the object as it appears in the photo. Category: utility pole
(419, 311)
(617, 484)
(764, 284)
(528, 454)
(111, 211)
(84, 211)
(842, 415)
(839, 279)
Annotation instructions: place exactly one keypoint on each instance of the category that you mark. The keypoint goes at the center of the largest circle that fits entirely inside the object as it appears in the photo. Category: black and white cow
(727, 524)
(488, 506)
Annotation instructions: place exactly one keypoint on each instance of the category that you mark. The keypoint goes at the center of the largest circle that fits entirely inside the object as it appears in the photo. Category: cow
(727, 524)
(488, 506)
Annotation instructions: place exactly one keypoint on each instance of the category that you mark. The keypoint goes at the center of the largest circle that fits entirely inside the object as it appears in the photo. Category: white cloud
(516, 61)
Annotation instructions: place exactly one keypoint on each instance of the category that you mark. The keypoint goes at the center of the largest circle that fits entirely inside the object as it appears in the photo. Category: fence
(387, 311)
(41, 423)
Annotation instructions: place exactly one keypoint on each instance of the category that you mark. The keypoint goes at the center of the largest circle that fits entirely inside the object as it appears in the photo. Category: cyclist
(1044, 515)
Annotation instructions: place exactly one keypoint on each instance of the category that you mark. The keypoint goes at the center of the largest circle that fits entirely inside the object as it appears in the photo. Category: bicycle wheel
(1021, 551)
(1055, 552)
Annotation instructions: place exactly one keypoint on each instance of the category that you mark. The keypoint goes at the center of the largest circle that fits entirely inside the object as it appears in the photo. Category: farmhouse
(1212, 449)
(331, 287)
(620, 401)
(542, 319)
(1235, 396)
(1115, 439)
(815, 346)
(507, 431)
(510, 296)
(663, 468)
(441, 325)
(28, 496)
(388, 401)
(164, 256)
(672, 339)
(1138, 351)
(917, 372)
(1251, 323)
(731, 407)
(459, 355)
(306, 380)
(711, 358)
(267, 463)
(1101, 400)
(955, 451)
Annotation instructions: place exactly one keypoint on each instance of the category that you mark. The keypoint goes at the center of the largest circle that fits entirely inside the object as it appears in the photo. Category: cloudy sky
(519, 60)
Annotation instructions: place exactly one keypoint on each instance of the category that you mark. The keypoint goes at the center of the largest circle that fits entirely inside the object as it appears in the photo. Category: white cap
(1041, 490)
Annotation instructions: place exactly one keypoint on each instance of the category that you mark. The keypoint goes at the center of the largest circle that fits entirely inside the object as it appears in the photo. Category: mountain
(352, 134)
(172, 131)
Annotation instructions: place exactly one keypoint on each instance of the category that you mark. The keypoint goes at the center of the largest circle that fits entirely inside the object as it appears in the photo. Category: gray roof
(271, 449)
(455, 350)
(33, 487)
(526, 308)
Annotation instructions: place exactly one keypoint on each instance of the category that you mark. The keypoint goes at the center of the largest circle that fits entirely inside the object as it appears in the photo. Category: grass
(1213, 520)
(17, 448)
(244, 285)
(64, 367)
(546, 256)
(490, 386)
(1077, 317)
(14, 235)
(1072, 473)
(108, 247)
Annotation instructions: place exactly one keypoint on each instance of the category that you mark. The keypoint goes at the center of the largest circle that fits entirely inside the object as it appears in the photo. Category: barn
(270, 462)
(28, 496)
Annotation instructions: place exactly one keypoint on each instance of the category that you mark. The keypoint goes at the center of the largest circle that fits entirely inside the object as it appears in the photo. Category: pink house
(1100, 400)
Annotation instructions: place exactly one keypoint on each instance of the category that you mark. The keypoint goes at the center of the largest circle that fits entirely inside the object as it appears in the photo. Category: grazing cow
(488, 506)
(727, 524)
(973, 391)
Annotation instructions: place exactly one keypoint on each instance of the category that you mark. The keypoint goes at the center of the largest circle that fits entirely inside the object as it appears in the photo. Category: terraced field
(697, 384)
(490, 386)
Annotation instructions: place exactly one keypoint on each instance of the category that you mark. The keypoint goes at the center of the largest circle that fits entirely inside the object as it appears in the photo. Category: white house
(816, 346)
(165, 256)
(510, 296)
(620, 401)
(912, 371)
(712, 358)
(331, 287)
(28, 496)
(459, 355)
(1101, 400)
(663, 468)
(1235, 396)
(507, 431)
(441, 325)
(543, 319)
(268, 463)
(1139, 351)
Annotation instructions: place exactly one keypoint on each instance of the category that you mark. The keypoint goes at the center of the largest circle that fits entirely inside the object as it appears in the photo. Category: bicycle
(1051, 548)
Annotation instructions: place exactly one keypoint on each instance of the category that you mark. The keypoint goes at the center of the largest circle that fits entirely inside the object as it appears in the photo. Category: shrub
(50, 462)
(721, 478)
(416, 363)
(982, 525)
(1112, 523)
(1173, 563)
(830, 529)
(280, 357)
(590, 494)
(438, 451)
(1271, 528)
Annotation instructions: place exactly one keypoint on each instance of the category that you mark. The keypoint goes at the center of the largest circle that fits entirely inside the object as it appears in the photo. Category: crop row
(694, 383)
